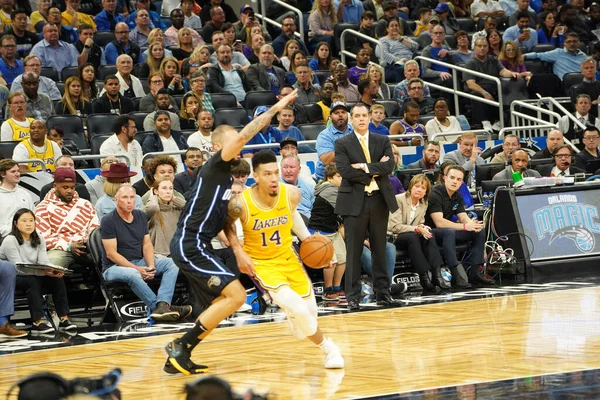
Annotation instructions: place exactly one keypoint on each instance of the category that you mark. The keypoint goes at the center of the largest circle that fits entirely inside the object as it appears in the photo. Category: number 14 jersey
(268, 232)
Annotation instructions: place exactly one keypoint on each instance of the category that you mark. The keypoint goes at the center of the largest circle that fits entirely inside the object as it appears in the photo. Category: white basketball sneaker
(333, 356)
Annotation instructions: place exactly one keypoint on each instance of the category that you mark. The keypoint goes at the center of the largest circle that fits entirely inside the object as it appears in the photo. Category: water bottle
(486, 201)
(491, 200)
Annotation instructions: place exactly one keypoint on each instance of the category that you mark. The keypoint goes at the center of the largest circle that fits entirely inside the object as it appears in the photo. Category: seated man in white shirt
(123, 143)
(573, 131)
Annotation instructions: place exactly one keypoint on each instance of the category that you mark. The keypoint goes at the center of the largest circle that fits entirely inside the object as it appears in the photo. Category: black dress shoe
(353, 305)
(387, 301)
(478, 278)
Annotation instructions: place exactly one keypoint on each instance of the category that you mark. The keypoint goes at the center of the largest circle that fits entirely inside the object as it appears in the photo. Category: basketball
(316, 251)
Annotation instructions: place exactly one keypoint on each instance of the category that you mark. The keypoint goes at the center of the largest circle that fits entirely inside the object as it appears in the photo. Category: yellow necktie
(372, 185)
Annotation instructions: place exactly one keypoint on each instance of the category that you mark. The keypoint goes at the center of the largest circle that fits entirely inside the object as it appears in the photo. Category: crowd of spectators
(82, 58)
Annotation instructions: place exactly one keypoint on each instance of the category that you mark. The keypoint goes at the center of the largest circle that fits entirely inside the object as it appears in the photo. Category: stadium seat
(569, 80)
(103, 38)
(259, 98)
(145, 84)
(223, 100)
(178, 98)
(68, 72)
(542, 48)
(106, 70)
(392, 109)
(100, 124)
(466, 24)
(322, 76)
(389, 121)
(137, 71)
(311, 131)
(350, 39)
(72, 126)
(136, 103)
(231, 116)
(95, 144)
(513, 90)
(61, 88)
(7, 148)
(451, 40)
(50, 72)
(139, 117)
(535, 66)
(140, 136)
(312, 113)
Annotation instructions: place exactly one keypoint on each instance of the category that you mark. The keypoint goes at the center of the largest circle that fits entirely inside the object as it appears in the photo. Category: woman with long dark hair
(25, 246)
(549, 31)
(321, 57)
(87, 78)
(73, 102)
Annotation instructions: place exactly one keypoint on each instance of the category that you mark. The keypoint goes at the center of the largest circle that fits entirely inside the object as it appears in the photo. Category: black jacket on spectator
(134, 50)
(207, 31)
(230, 15)
(216, 80)
(153, 143)
(103, 105)
(259, 78)
(25, 43)
(94, 56)
(300, 115)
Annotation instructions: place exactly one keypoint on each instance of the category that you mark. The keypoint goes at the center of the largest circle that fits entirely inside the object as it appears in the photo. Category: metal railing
(33, 160)
(266, 19)
(455, 86)
(434, 136)
(546, 126)
(98, 157)
(345, 53)
(524, 121)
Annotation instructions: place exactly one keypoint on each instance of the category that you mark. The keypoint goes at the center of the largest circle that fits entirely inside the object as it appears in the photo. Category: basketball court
(524, 341)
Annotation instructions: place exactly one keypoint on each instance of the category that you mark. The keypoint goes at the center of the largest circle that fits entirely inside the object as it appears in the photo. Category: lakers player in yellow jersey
(16, 128)
(268, 215)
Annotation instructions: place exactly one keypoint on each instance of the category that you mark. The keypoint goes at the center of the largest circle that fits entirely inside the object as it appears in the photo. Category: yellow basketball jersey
(268, 232)
(47, 157)
(19, 133)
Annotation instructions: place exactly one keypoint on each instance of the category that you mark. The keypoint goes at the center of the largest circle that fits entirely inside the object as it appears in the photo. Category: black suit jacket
(351, 194)
(259, 79)
(546, 169)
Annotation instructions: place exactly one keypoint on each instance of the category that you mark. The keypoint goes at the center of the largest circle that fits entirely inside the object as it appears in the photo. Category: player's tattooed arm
(265, 118)
(235, 210)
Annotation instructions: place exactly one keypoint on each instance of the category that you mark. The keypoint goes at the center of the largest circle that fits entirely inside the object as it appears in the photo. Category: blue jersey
(206, 208)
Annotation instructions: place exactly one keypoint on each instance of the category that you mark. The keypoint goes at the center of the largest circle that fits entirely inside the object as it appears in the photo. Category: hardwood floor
(386, 351)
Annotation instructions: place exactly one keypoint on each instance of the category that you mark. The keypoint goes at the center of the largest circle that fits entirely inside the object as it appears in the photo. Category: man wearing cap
(349, 11)
(37, 146)
(326, 140)
(266, 135)
(442, 11)
(226, 8)
(288, 28)
(289, 146)
(162, 102)
(224, 78)
(122, 143)
(66, 161)
(65, 221)
(390, 10)
(165, 139)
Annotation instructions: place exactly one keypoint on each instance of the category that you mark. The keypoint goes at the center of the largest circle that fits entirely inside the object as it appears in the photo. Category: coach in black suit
(365, 199)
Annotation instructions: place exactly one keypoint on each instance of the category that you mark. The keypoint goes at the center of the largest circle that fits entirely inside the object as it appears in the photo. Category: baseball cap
(260, 110)
(338, 104)
(159, 113)
(434, 19)
(245, 8)
(442, 8)
(64, 175)
(288, 140)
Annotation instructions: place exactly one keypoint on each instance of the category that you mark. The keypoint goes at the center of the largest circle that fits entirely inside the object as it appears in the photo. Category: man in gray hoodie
(12, 197)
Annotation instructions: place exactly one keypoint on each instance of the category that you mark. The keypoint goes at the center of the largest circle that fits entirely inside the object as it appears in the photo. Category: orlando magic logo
(566, 218)
(582, 237)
